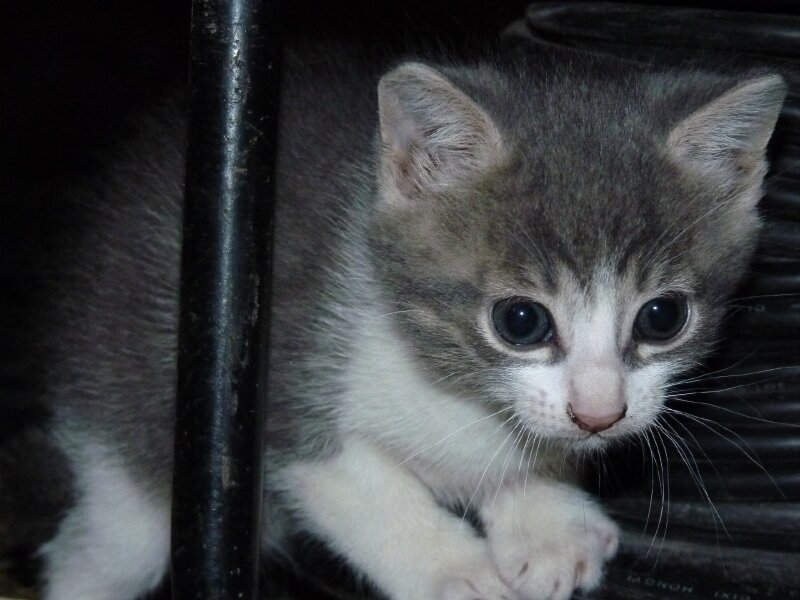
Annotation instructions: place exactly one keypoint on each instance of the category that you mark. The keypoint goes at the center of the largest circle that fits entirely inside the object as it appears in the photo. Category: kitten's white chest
(457, 445)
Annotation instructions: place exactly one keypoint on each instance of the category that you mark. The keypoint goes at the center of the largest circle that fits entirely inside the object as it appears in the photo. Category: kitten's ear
(433, 135)
(726, 139)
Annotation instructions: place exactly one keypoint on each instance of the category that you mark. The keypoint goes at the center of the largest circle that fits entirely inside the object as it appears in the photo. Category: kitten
(480, 271)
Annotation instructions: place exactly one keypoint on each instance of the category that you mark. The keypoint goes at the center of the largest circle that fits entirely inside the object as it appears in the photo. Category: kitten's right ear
(433, 135)
(726, 139)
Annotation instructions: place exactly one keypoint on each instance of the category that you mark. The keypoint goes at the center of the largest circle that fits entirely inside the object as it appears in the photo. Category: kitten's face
(587, 360)
(567, 260)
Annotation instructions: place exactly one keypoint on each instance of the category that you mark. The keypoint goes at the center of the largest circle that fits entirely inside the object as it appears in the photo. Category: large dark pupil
(522, 319)
(663, 315)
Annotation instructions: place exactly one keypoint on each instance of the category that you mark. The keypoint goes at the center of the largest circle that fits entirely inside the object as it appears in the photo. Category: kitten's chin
(591, 442)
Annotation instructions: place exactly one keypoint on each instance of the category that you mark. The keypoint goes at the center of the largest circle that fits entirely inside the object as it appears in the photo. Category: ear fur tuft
(726, 139)
(432, 134)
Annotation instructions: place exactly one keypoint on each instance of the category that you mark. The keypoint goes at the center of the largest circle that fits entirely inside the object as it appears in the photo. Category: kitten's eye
(520, 321)
(661, 319)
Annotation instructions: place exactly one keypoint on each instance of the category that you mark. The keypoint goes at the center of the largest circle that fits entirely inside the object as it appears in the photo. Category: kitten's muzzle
(595, 424)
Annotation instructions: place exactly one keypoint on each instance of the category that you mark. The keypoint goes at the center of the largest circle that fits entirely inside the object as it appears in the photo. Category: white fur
(587, 328)
(384, 519)
(453, 443)
(548, 538)
(594, 327)
(114, 544)
(407, 442)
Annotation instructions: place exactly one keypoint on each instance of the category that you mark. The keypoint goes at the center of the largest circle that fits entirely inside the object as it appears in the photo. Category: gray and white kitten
(480, 270)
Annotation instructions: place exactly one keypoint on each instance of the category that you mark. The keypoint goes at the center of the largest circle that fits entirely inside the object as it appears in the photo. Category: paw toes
(588, 574)
(610, 545)
(560, 590)
(606, 538)
(555, 578)
(580, 570)
(466, 589)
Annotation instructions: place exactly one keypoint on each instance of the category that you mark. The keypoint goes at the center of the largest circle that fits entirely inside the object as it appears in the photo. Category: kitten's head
(562, 243)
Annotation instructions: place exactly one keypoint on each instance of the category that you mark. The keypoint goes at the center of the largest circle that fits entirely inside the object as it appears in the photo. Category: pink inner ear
(404, 137)
(434, 136)
(400, 133)
(726, 138)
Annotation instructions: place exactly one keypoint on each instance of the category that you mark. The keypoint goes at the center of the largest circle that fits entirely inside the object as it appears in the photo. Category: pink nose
(592, 423)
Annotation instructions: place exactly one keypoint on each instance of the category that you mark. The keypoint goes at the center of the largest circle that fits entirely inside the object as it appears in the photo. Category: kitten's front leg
(387, 524)
(548, 538)
(113, 543)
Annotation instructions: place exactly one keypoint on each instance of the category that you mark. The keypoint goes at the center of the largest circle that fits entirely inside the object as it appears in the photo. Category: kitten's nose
(596, 396)
(595, 423)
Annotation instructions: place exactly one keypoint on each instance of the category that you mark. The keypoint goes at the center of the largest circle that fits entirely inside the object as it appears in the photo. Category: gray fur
(584, 179)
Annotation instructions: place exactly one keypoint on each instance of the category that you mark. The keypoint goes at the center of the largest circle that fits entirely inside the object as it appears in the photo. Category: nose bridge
(593, 351)
(596, 373)
(597, 383)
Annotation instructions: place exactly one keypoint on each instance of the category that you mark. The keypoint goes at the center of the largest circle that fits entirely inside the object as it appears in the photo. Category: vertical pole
(225, 270)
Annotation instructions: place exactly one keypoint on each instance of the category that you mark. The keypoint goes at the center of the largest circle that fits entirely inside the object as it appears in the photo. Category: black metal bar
(225, 266)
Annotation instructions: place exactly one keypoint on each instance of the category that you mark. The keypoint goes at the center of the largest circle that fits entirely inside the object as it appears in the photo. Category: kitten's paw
(550, 542)
(113, 543)
(539, 570)
(476, 582)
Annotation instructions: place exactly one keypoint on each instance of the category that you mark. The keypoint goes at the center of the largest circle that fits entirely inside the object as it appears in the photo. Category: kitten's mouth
(586, 441)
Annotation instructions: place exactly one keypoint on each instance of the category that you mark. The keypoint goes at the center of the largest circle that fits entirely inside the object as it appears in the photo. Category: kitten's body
(388, 393)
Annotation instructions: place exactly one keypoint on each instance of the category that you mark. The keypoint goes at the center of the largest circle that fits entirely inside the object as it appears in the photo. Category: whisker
(642, 436)
(657, 461)
(514, 446)
(713, 374)
(398, 312)
(688, 431)
(528, 434)
(528, 439)
(679, 445)
(486, 470)
(758, 297)
(721, 390)
(664, 483)
(685, 454)
(528, 467)
(753, 458)
(445, 377)
(456, 432)
(734, 412)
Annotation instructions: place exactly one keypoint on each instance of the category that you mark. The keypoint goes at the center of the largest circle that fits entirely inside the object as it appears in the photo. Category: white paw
(550, 542)
(479, 581)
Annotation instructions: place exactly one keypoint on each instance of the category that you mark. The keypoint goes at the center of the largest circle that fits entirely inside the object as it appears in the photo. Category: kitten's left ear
(433, 135)
(727, 138)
